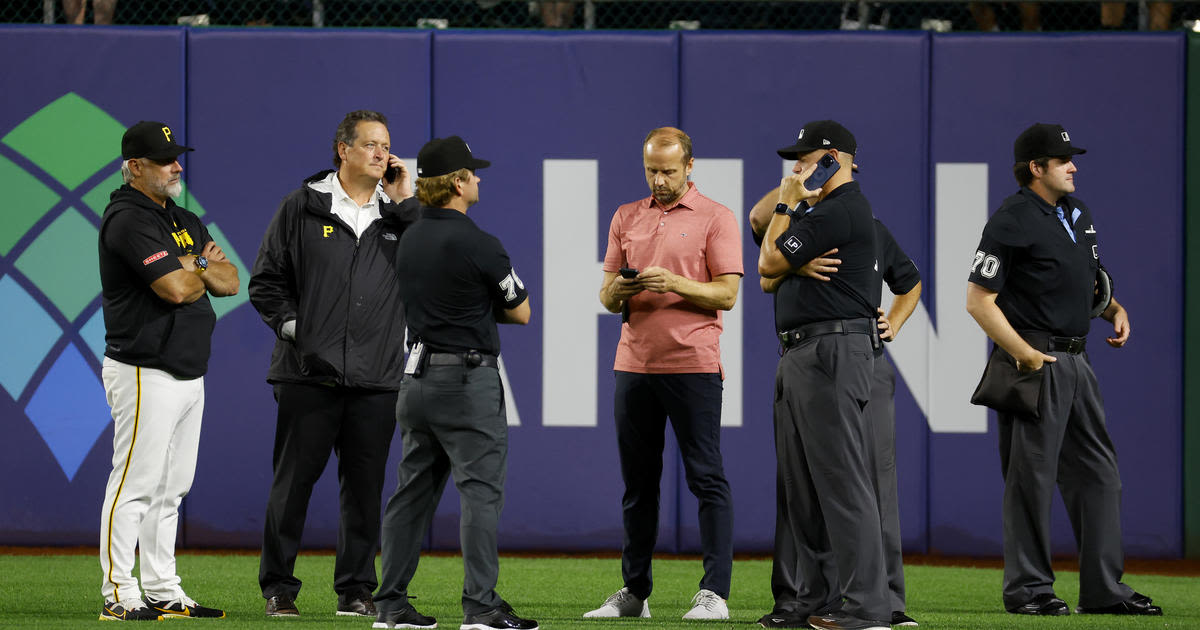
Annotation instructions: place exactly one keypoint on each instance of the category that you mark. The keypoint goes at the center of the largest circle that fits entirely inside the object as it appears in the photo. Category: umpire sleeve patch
(792, 244)
(154, 257)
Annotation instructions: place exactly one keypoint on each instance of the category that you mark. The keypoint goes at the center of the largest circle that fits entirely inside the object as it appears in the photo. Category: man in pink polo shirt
(674, 263)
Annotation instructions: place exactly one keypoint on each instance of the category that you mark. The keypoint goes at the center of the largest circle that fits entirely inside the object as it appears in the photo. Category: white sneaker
(623, 604)
(707, 605)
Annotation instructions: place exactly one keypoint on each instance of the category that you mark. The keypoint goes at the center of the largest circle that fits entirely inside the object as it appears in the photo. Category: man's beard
(169, 190)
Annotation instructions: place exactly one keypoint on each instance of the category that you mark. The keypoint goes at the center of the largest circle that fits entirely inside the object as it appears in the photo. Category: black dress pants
(1069, 447)
(824, 446)
(315, 420)
(643, 402)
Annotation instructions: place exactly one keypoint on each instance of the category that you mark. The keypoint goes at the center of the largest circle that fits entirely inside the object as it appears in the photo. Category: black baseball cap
(1043, 140)
(820, 134)
(150, 139)
(441, 156)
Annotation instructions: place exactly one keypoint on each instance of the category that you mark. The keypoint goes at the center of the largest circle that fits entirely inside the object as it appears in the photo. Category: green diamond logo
(51, 281)
(70, 139)
(61, 260)
(97, 198)
(30, 200)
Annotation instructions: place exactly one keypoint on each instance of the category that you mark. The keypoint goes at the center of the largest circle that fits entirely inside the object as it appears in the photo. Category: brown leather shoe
(356, 605)
(281, 606)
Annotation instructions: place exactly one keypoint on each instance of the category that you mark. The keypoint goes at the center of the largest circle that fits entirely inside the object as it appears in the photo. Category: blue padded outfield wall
(562, 116)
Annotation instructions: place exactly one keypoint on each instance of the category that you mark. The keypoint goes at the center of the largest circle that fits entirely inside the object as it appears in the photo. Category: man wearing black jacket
(325, 282)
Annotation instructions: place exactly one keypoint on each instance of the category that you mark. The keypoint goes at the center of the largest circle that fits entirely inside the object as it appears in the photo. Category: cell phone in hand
(390, 174)
(826, 168)
(628, 274)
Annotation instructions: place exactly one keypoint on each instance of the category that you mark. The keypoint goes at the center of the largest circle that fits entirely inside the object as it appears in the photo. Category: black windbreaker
(341, 290)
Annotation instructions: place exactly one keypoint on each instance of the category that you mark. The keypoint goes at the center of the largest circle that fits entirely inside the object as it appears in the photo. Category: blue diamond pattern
(28, 334)
(69, 409)
(93, 334)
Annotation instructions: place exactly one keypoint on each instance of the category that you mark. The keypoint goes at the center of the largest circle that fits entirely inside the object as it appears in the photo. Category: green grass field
(62, 591)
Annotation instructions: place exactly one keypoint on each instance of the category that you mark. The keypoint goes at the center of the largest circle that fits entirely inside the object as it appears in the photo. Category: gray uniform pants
(824, 453)
(448, 426)
(1069, 446)
(785, 577)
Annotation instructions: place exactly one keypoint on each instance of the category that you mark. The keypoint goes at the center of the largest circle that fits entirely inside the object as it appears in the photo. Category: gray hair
(126, 174)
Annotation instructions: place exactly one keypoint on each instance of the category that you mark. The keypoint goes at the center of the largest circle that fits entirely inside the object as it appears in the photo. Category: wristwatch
(201, 264)
(781, 208)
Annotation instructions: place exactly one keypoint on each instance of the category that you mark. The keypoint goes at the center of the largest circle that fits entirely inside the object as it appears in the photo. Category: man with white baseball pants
(158, 265)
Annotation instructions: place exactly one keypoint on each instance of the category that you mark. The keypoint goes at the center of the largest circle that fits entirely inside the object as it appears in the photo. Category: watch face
(201, 262)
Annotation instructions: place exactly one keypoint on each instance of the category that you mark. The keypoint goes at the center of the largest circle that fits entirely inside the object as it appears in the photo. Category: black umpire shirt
(898, 270)
(843, 220)
(453, 276)
(140, 242)
(1045, 281)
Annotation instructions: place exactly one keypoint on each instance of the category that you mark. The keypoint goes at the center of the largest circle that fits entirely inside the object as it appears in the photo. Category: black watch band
(781, 208)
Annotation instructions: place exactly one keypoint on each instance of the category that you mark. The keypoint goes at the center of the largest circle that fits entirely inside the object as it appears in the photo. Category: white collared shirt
(359, 218)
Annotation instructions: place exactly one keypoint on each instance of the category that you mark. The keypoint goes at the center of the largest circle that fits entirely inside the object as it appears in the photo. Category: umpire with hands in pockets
(1032, 290)
(457, 282)
(324, 281)
(823, 384)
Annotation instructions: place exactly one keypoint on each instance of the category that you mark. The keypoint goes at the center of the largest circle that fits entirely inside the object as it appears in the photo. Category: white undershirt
(359, 218)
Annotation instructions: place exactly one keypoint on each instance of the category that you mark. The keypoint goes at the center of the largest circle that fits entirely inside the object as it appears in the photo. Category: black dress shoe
(1042, 604)
(1137, 604)
(499, 618)
(282, 606)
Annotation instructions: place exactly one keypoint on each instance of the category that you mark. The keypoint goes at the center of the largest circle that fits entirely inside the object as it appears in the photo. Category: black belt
(862, 326)
(1045, 342)
(471, 358)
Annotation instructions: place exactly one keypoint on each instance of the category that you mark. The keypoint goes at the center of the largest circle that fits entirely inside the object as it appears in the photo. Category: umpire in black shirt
(1032, 290)
(904, 281)
(457, 282)
(823, 384)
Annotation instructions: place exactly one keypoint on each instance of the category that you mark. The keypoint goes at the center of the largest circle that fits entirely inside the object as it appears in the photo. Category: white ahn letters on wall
(940, 366)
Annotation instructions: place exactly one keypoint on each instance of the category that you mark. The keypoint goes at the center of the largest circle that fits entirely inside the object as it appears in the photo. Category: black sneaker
(356, 605)
(129, 610)
(502, 618)
(844, 621)
(184, 607)
(406, 617)
(784, 619)
(282, 606)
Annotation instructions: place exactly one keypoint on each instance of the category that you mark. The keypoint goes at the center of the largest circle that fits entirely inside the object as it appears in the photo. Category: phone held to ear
(628, 274)
(390, 174)
(826, 168)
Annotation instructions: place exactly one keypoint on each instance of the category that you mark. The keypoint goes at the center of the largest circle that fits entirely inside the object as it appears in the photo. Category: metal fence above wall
(1059, 15)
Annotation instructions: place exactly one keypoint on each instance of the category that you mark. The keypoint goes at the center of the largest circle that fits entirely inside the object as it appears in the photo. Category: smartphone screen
(628, 273)
(826, 167)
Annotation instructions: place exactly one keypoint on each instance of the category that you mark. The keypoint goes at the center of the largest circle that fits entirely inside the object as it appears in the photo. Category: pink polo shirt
(696, 238)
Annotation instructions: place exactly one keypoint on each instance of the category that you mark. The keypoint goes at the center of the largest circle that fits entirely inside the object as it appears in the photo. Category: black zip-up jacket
(341, 290)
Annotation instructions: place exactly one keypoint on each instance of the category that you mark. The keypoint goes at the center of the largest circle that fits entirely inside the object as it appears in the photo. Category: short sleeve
(141, 244)
(614, 256)
(826, 227)
(724, 247)
(504, 285)
(899, 271)
(1002, 240)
